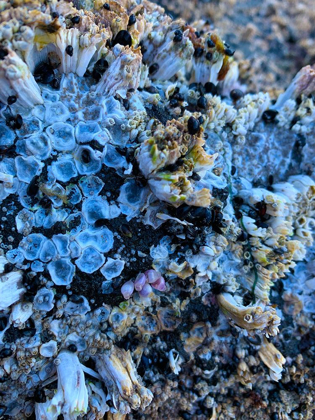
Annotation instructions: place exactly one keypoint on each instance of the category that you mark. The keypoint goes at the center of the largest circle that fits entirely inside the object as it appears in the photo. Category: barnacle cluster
(156, 220)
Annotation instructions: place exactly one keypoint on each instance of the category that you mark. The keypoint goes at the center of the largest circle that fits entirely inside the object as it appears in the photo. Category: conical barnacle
(11, 288)
(118, 372)
(244, 374)
(16, 79)
(231, 80)
(254, 318)
(303, 82)
(211, 58)
(272, 358)
(115, 416)
(176, 189)
(260, 281)
(195, 338)
(97, 401)
(183, 270)
(170, 55)
(202, 161)
(123, 73)
(71, 397)
(165, 147)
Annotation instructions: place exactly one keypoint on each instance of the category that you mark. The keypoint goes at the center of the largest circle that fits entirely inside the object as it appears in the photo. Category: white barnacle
(21, 312)
(272, 358)
(62, 136)
(6, 136)
(303, 82)
(48, 349)
(253, 318)
(112, 268)
(3, 262)
(132, 198)
(11, 289)
(44, 411)
(117, 78)
(251, 227)
(56, 112)
(86, 131)
(77, 308)
(90, 260)
(174, 362)
(16, 79)
(119, 374)
(27, 168)
(97, 401)
(71, 398)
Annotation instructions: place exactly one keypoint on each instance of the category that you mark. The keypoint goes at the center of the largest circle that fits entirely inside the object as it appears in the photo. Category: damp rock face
(156, 221)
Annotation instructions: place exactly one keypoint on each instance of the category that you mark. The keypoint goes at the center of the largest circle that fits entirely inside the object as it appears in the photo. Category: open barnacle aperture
(128, 216)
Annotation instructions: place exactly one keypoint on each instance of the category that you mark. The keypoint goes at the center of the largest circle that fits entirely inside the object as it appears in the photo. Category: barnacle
(17, 79)
(272, 358)
(118, 372)
(303, 82)
(254, 318)
(71, 398)
(11, 288)
(143, 237)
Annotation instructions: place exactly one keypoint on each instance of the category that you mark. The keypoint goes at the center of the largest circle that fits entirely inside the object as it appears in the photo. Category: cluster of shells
(114, 115)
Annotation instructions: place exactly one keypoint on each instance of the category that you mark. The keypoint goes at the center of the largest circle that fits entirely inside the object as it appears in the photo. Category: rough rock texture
(274, 38)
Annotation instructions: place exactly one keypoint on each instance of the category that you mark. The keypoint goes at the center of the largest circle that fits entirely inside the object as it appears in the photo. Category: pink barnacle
(152, 275)
(159, 284)
(140, 281)
(146, 290)
(127, 289)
